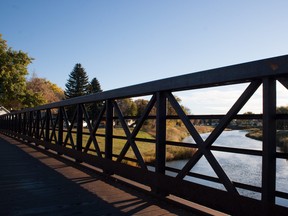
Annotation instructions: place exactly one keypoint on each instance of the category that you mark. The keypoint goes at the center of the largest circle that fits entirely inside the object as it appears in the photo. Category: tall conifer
(96, 107)
(77, 84)
(95, 86)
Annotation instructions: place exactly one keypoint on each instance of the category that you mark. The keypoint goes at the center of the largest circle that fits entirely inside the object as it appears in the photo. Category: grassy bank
(281, 138)
(147, 149)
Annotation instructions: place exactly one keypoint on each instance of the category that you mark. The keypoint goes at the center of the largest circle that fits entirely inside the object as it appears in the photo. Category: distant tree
(128, 107)
(171, 111)
(94, 86)
(13, 69)
(33, 99)
(141, 105)
(125, 106)
(95, 108)
(133, 109)
(46, 91)
(77, 84)
(282, 124)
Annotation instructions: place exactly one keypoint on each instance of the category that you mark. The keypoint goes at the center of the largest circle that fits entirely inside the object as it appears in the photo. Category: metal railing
(51, 127)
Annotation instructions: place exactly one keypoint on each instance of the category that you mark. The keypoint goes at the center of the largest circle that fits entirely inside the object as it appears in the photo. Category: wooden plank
(45, 184)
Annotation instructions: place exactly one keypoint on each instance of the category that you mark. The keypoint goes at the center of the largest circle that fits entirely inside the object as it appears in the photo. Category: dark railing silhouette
(50, 127)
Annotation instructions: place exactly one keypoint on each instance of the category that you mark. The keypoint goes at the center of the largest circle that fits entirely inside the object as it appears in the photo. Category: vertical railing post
(13, 123)
(19, 124)
(7, 120)
(38, 122)
(24, 124)
(109, 130)
(160, 140)
(160, 133)
(11, 126)
(47, 127)
(30, 123)
(269, 141)
(2, 120)
(60, 127)
(79, 128)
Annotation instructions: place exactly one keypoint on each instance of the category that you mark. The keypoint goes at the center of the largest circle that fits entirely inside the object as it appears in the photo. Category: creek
(238, 167)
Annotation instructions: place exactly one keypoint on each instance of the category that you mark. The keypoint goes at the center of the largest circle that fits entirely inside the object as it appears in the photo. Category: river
(239, 167)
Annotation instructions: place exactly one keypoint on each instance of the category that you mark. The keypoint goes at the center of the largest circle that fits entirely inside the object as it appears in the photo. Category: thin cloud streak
(218, 100)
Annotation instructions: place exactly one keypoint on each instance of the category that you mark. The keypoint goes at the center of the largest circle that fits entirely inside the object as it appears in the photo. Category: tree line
(19, 92)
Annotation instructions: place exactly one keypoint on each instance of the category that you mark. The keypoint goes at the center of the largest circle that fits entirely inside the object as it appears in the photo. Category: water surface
(239, 167)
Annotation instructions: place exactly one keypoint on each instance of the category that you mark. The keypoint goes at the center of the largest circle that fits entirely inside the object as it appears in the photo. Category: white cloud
(218, 100)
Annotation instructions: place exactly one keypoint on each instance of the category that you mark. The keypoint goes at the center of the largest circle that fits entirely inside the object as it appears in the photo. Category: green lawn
(147, 149)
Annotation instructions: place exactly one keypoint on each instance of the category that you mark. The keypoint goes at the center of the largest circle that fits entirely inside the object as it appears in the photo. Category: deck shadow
(35, 181)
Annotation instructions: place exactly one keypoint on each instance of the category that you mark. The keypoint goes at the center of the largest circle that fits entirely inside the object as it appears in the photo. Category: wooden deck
(34, 182)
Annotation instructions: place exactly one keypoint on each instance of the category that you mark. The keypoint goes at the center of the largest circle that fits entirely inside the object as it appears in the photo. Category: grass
(281, 138)
(147, 149)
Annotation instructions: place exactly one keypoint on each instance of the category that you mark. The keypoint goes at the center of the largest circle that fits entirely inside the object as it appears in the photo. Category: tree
(125, 106)
(46, 91)
(94, 86)
(141, 105)
(282, 124)
(13, 69)
(171, 111)
(77, 84)
(95, 108)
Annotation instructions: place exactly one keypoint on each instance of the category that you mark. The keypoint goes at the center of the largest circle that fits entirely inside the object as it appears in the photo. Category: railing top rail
(233, 74)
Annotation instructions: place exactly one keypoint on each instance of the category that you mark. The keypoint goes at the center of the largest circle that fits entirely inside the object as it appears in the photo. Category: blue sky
(126, 42)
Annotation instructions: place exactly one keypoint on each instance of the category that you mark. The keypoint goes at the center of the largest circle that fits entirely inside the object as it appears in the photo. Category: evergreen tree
(77, 84)
(95, 86)
(95, 108)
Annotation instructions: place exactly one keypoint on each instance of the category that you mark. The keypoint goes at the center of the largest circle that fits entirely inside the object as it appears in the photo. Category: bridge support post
(30, 123)
(161, 133)
(24, 124)
(269, 141)
(109, 133)
(47, 126)
(109, 130)
(160, 139)
(19, 124)
(79, 128)
(38, 122)
(79, 133)
(60, 128)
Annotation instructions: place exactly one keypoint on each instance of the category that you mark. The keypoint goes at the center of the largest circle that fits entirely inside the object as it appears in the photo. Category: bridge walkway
(35, 182)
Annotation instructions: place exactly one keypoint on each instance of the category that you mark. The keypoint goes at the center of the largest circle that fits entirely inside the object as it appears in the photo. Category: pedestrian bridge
(58, 127)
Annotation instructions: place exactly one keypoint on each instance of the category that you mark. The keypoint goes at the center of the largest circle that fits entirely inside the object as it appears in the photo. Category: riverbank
(281, 138)
(175, 134)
